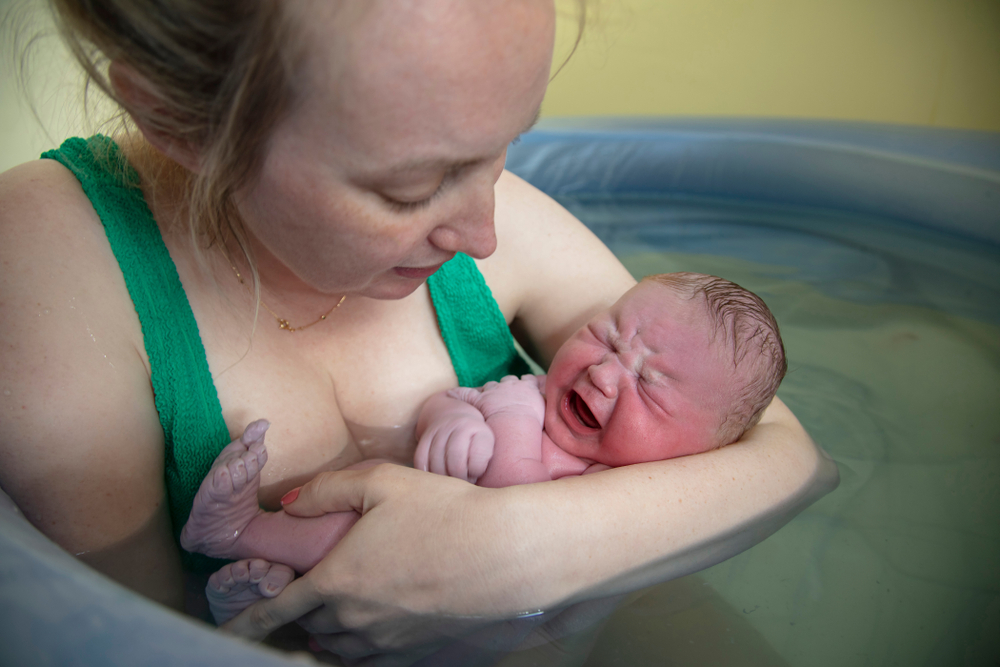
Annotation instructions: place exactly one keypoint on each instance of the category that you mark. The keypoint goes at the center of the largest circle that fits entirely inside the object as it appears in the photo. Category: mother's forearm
(629, 527)
(430, 546)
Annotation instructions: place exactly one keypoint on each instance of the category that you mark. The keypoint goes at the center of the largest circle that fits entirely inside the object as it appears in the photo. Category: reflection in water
(681, 622)
(132, 558)
(383, 442)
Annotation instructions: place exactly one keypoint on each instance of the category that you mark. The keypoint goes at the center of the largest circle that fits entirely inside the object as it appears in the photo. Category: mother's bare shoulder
(550, 273)
(81, 447)
(58, 266)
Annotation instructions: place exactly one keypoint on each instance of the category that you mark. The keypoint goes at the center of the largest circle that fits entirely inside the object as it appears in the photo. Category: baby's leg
(238, 585)
(227, 522)
(226, 502)
(295, 541)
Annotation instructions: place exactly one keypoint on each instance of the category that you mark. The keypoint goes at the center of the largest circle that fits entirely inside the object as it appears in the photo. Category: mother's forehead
(445, 71)
(446, 44)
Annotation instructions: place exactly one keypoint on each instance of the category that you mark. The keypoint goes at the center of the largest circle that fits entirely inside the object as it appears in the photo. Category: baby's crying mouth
(582, 411)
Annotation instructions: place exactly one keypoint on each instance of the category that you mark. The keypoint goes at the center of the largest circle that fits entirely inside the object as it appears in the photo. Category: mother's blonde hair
(214, 76)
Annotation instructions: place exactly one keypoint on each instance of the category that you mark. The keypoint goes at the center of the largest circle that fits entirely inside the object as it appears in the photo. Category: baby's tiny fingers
(533, 379)
(420, 457)
(459, 444)
(480, 454)
(457, 461)
(436, 453)
(467, 394)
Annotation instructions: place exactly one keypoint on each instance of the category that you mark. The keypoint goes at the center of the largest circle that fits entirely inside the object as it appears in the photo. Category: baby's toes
(258, 450)
(255, 432)
(258, 569)
(222, 482)
(254, 460)
(234, 450)
(228, 576)
(270, 578)
(238, 473)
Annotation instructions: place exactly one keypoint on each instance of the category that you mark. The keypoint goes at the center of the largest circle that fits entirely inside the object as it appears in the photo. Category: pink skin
(492, 436)
(238, 585)
(631, 386)
(226, 522)
(383, 169)
(386, 164)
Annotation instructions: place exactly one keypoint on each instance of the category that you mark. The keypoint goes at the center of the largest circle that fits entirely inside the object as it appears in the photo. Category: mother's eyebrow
(438, 164)
(424, 164)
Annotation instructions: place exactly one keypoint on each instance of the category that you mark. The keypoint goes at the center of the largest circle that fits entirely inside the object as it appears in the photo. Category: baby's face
(642, 381)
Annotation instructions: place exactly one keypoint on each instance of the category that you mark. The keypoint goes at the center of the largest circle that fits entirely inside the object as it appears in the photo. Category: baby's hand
(512, 395)
(456, 446)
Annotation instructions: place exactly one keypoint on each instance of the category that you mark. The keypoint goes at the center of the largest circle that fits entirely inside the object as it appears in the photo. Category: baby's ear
(143, 103)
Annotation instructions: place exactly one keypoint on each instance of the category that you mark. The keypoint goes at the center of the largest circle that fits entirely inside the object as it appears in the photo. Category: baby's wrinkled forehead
(652, 302)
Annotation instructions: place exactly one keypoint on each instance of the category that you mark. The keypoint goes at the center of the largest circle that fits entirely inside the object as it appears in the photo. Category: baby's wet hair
(752, 333)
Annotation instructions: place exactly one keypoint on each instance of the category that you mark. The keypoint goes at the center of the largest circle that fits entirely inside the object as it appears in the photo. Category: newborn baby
(683, 363)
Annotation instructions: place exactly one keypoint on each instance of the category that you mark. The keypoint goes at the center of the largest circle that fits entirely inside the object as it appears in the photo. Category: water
(893, 340)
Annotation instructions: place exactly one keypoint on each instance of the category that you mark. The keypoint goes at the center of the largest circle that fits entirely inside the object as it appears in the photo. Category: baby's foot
(238, 585)
(227, 499)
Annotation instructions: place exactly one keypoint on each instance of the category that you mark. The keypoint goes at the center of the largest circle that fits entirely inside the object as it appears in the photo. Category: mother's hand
(386, 585)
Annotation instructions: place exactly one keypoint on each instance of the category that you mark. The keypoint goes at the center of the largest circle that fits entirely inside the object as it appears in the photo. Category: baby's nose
(604, 377)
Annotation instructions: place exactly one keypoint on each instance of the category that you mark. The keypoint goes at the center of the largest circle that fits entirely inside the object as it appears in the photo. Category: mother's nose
(605, 377)
(469, 228)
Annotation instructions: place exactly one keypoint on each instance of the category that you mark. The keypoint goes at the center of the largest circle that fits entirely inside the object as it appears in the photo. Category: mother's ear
(142, 102)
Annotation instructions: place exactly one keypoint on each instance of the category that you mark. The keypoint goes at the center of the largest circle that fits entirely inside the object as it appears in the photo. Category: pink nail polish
(290, 496)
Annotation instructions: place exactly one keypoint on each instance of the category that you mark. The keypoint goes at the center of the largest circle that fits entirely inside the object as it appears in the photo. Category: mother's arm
(432, 547)
(550, 274)
(81, 446)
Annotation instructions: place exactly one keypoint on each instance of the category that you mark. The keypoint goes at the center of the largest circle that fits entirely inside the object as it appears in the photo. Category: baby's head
(681, 364)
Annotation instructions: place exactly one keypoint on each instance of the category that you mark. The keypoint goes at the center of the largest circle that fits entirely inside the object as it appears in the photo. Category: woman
(322, 161)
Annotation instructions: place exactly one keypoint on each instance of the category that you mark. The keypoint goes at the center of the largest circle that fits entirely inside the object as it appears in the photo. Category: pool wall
(928, 177)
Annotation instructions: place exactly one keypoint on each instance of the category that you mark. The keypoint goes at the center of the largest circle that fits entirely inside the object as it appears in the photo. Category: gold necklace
(282, 322)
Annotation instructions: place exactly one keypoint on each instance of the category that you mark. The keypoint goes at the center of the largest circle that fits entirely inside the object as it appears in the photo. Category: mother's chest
(350, 393)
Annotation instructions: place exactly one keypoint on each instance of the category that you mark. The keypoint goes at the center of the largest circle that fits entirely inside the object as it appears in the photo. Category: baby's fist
(510, 395)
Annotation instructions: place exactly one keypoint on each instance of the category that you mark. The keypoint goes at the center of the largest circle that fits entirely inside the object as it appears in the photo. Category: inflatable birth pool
(878, 248)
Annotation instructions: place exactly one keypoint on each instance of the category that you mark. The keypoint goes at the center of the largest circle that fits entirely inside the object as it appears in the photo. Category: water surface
(893, 340)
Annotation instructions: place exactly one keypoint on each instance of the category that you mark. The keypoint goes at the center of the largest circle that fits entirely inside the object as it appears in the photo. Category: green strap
(474, 330)
(186, 400)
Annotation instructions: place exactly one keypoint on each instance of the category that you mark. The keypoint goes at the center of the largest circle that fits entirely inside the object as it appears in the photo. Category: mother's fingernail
(290, 496)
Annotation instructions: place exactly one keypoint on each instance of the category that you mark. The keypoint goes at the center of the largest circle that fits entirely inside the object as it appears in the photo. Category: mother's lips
(417, 273)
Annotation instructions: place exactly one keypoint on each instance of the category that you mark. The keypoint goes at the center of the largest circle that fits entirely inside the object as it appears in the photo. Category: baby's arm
(514, 410)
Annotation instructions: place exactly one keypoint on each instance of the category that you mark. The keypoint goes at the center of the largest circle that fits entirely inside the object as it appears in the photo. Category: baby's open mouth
(579, 408)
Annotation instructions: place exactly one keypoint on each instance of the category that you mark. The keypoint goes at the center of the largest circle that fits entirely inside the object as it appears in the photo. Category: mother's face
(385, 166)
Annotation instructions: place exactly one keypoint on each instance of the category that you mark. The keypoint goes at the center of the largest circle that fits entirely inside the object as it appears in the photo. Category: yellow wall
(926, 62)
